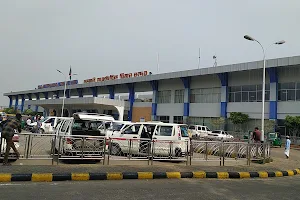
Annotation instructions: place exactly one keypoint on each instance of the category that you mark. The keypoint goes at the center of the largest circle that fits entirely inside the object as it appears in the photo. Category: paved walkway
(279, 163)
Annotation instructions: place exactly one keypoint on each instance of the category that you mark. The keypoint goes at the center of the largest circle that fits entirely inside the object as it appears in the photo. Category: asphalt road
(275, 188)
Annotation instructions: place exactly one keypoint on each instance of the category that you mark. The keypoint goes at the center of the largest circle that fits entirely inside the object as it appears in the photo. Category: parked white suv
(167, 139)
(115, 128)
(220, 135)
(199, 131)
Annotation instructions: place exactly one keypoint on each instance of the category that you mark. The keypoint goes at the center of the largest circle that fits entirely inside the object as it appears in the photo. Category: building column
(10, 101)
(80, 92)
(30, 99)
(224, 93)
(111, 90)
(131, 99)
(154, 85)
(22, 102)
(16, 102)
(273, 92)
(187, 93)
(94, 91)
(37, 95)
(46, 94)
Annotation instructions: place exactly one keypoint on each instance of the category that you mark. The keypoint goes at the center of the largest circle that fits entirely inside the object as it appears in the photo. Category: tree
(9, 111)
(218, 122)
(238, 119)
(269, 126)
(29, 112)
(293, 124)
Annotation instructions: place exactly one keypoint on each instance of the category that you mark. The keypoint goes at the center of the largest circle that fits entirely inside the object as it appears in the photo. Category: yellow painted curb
(244, 174)
(298, 171)
(278, 174)
(290, 172)
(199, 174)
(80, 176)
(223, 175)
(114, 176)
(173, 174)
(41, 177)
(5, 177)
(263, 175)
(145, 175)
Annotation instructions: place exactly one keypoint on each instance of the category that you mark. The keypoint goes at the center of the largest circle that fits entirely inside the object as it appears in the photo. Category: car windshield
(116, 126)
(46, 118)
(208, 129)
(184, 131)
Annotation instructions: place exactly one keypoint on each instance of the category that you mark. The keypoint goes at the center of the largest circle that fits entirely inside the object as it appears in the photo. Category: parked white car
(115, 128)
(199, 131)
(164, 136)
(82, 125)
(48, 124)
(220, 135)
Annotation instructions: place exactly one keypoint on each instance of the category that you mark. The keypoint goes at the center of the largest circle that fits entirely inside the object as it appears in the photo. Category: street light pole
(247, 37)
(65, 88)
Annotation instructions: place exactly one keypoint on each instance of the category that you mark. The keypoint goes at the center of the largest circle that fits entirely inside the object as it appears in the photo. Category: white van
(115, 128)
(167, 139)
(82, 125)
(199, 131)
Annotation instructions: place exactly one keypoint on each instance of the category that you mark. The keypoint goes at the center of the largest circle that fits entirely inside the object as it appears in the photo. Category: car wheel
(115, 150)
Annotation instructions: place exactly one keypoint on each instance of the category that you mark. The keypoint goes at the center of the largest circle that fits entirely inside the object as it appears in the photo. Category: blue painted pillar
(111, 90)
(56, 94)
(46, 94)
(94, 91)
(224, 93)
(30, 99)
(80, 92)
(22, 102)
(187, 93)
(68, 93)
(273, 92)
(154, 85)
(37, 95)
(16, 102)
(131, 99)
(10, 101)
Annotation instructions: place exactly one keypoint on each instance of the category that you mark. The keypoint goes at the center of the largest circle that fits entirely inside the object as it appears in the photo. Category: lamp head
(280, 42)
(247, 37)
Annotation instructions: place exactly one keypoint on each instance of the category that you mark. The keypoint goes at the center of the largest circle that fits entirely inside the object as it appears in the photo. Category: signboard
(50, 85)
(114, 77)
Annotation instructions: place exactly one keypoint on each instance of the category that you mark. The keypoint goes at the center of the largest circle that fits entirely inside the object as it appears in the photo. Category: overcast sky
(103, 37)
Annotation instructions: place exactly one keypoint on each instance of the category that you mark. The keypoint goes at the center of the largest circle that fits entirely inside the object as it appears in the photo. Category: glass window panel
(259, 96)
(267, 86)
(237, 97)
(298, 85)
(245, 87)
(245, 96)
(231, 97)
(298, 95)
(252, 96)
(291, 95)
(235, 88)
(259, 87)
(267, 95)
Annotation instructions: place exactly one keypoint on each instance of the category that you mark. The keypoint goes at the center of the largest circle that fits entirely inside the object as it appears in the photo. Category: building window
(288, 91)
(179, 96)
(165, 119)
(206, 95)
(178, 119)
(164, 96)
(248, 93)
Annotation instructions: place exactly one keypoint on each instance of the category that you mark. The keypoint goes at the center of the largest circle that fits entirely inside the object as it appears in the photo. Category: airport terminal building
(193, 96)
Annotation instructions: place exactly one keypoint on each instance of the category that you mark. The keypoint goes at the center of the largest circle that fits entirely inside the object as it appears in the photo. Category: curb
(49, 177)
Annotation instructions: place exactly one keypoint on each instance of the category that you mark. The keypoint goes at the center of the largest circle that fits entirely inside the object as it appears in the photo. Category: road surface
(275, 188)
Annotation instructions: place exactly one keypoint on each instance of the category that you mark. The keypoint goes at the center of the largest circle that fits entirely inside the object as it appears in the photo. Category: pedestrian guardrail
(82, 147)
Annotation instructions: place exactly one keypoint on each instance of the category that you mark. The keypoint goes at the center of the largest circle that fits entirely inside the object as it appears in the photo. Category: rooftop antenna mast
(215, 59)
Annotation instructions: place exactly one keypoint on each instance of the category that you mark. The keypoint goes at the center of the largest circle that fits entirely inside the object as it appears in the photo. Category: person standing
(8, 133)
(287, 147)
(256, 135)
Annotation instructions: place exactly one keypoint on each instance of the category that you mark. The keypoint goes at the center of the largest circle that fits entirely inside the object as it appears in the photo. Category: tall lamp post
(247, 37)
(65, 88)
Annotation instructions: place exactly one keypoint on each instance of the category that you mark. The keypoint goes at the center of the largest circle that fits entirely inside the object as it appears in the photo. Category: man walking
(287, 147)
(8, 133)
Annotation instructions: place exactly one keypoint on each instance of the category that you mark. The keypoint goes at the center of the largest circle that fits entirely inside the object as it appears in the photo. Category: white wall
(288, 108)
(205, 110)
(172, 109)
(253, 109)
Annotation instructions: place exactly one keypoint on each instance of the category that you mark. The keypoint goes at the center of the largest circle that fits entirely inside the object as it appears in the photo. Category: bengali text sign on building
(114, 77)
(50, 85)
